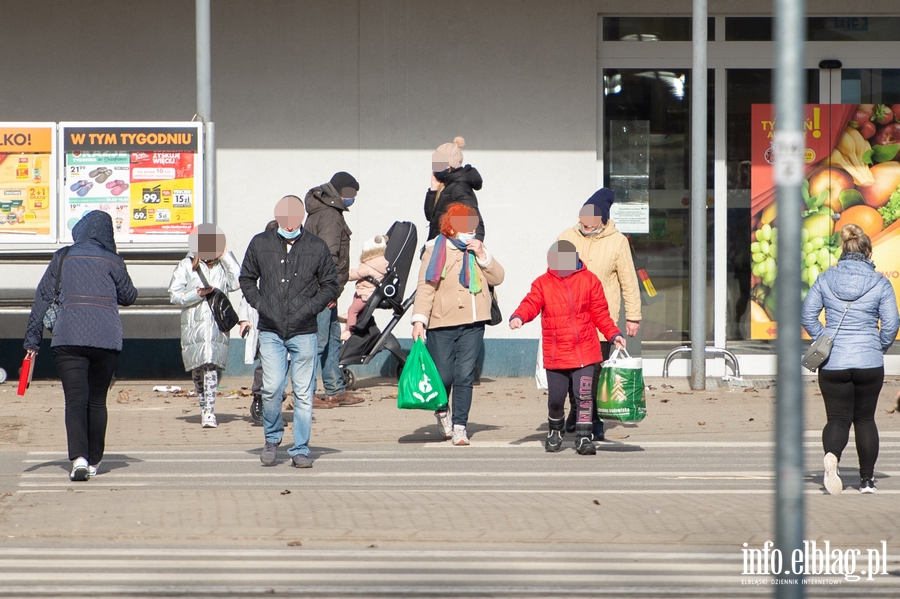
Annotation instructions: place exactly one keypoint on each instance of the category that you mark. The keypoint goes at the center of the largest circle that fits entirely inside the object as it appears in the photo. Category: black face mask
(442, 175)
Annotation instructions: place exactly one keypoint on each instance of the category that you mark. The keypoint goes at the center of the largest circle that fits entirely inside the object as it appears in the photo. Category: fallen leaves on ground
(750, 390)
(664, 401)
(295, 543)
(286, 492)
(123, 396)
(702, 423)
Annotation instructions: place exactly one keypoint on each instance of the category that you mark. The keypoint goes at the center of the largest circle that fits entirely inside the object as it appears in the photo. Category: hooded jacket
(608, 255)
(288, 286)
(572, 308)
(459, 185)
(94, 282)
(201, 340)
(325, 219)
(859, 343)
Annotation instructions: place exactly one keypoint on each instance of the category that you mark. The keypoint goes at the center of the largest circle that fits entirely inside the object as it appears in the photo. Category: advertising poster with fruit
(852, 175)
(27, 182)
(147, 177)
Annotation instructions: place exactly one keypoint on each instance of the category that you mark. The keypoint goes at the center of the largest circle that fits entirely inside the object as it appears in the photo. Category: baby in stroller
(392, 266)
(373, 265)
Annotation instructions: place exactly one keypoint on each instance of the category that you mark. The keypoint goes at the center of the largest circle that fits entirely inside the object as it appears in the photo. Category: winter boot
(256, 409)
(583, 443)
(597, 429)
(555, 435)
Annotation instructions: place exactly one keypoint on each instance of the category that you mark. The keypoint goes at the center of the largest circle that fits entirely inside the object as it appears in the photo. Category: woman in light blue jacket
(204, 348)
(852, 377)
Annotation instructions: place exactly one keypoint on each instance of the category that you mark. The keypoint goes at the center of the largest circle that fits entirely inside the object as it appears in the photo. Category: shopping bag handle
(616, 353)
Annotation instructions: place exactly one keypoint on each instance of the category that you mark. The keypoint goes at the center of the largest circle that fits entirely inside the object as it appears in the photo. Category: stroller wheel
(398, 371)
(256, 409)
(349, 378)
(2, 376)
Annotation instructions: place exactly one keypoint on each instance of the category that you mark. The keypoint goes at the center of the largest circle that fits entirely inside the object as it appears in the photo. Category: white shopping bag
(540, 375)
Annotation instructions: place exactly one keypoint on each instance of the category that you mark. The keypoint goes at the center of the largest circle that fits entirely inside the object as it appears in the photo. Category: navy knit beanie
(601, 201)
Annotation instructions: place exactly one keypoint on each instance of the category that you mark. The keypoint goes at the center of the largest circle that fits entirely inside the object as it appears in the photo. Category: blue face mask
(465, 237)
(348, 202)
(290, 234)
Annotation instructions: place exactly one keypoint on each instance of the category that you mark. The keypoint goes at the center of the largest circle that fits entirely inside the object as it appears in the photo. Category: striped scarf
(468, 274)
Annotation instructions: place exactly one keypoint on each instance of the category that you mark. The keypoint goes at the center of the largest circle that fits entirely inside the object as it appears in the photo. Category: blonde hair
(854, 240)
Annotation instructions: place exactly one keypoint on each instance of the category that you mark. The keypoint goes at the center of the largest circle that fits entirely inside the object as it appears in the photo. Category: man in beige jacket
(606, 253)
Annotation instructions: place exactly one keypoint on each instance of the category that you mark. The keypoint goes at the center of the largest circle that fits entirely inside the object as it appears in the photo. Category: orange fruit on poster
(867, 218)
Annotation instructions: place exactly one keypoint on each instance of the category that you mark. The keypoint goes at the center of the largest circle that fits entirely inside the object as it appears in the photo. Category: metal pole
(790, 36)
(204, 108)
(698, 197)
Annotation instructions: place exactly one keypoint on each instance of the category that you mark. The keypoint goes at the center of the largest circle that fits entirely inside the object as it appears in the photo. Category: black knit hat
(342, 180)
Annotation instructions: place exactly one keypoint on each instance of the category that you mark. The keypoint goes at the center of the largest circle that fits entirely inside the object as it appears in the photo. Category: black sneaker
(554, 441)
(598, 431)
(301, 461)
(269, 453)
(584, 446)
(867, 485)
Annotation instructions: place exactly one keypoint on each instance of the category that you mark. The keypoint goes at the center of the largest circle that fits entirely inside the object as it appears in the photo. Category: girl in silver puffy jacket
(204, 348)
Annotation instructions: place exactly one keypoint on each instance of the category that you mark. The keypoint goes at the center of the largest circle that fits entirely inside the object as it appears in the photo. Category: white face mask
(465, 237)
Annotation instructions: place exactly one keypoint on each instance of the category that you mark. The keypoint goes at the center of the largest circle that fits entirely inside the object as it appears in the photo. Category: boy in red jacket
(572, 306)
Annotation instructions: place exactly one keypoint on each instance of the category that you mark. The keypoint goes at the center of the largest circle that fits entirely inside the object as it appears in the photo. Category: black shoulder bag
(223, 311)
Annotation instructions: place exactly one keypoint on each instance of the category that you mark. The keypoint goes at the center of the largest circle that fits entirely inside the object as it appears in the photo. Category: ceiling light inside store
(612, 84)
(640, 37)
(675, 82)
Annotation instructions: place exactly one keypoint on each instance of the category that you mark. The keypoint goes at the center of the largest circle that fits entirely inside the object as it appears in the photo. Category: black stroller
(366, 339)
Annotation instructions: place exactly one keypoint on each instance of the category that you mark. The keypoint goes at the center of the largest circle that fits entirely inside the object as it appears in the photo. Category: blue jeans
(329, 347)
(455, 351)
(273, 351)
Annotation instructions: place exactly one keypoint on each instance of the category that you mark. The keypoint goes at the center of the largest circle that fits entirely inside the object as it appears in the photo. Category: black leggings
(851, 397)
(560, 382)
(85, 373)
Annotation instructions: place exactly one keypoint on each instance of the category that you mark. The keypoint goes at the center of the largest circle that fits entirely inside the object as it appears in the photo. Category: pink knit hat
(450, 153)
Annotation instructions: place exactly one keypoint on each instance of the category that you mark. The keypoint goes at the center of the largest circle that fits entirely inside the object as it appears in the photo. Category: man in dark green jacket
(325, 206)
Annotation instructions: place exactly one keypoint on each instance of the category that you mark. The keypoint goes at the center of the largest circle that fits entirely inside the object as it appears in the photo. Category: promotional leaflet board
(147, 176)
(28, 201)
(852, 175)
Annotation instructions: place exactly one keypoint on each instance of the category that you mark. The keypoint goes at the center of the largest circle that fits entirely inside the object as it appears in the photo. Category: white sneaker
(79, 469)
(92, 470)
(208, 420)
(459, 435)
(833, 483)
(444, 424)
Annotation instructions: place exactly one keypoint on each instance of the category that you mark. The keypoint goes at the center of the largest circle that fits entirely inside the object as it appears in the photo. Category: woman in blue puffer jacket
(87, 337)
(852, 376)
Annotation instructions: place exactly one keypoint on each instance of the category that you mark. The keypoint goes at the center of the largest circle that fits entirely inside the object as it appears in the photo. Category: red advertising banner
(852, 175)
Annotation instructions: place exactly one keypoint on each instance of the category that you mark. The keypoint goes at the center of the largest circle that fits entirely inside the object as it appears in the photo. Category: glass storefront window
(853, 29)
(652, 29)
(870, 86)
(818, 29)
(655, 104)
(745, 88)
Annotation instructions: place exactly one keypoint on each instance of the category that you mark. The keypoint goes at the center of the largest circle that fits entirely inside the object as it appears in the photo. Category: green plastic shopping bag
(420, 386)
(620, 395)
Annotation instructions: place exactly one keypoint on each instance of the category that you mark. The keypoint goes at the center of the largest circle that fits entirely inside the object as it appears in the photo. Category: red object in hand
(25, 377)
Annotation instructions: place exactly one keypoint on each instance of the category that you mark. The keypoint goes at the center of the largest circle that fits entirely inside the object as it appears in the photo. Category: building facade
(550, 96)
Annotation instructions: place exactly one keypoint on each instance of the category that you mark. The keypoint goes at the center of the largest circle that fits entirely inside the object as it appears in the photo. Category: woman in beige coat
(453, 303)
(607, 254)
